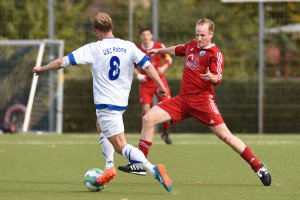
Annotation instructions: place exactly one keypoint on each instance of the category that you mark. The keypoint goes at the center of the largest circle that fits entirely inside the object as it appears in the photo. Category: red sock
(248, 156)
(144, 146)
(166, 125)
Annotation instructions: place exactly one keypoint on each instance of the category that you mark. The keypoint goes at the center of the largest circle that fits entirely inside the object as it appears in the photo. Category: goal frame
(59, 87)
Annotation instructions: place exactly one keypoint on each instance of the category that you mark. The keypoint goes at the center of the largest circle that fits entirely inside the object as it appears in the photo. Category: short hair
(211, 24)
(102, 22)
(145, 29)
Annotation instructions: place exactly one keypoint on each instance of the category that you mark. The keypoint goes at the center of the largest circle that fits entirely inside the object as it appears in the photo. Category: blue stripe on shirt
(72, 59)
(111, 107)
(142, 62)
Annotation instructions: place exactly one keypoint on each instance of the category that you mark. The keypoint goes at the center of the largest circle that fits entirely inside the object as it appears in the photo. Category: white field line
(182, 142)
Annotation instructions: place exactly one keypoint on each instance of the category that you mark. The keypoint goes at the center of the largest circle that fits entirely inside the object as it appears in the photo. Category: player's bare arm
(168, 50)
(54, 65)
(152, 73)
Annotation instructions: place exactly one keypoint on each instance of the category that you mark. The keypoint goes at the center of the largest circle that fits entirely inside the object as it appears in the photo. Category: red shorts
(202, 108)
(147, 92)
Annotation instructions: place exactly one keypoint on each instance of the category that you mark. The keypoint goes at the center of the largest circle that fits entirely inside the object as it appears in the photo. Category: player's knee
(147, 119)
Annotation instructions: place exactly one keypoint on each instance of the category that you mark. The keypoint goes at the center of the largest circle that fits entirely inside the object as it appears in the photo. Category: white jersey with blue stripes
(112, 61)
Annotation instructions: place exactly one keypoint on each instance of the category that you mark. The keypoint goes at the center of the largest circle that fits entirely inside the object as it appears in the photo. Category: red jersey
(156, 60)
(197, 62)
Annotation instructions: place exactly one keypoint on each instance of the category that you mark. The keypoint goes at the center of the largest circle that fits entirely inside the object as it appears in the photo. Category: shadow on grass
(207, 184)
(71, 187)
(38, 182)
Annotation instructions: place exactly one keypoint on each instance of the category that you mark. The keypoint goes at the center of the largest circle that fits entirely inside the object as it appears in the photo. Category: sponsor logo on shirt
(190, 63)
(202, 53)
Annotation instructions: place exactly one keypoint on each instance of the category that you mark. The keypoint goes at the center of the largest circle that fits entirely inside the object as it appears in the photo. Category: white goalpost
(33, 88)
(29, 103)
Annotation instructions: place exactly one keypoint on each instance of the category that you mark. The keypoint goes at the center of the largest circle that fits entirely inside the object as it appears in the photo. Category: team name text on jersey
(114, 50)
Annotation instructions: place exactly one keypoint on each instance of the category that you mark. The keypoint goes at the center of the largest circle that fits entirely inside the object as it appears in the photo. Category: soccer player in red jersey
(203, 69)
(147, 87)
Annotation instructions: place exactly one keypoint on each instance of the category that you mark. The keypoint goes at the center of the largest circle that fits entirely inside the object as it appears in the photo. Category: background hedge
(236, 99)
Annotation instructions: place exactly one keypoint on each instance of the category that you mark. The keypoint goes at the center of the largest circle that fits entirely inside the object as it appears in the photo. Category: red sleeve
(217, 65)
(180, 50)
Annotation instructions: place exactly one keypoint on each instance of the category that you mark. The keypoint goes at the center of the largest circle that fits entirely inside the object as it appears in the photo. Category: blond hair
(211, 24)
(102, 22)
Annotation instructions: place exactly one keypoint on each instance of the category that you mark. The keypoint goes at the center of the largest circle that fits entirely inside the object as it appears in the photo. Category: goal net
(30, 103)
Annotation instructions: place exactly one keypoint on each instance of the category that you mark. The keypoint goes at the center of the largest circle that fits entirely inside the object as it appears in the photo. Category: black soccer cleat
(264, 175)
(132, 169)
(166, 139)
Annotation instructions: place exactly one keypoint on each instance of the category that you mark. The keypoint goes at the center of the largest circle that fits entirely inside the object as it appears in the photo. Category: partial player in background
(112, 61)
(147, 87)
(203, 69)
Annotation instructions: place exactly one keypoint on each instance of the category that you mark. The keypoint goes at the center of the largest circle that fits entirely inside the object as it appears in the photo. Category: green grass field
(201, 167)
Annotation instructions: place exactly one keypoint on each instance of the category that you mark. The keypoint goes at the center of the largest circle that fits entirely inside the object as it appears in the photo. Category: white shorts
(110, 121)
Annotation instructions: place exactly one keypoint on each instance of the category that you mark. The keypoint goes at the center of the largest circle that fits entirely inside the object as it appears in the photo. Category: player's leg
(137, 157)
(205, 110)
(226, 136)
(144, 143)
(146, 94)
(165, 136)
(106, 147)
(154, 116)
(239, 146)
(174, 107)
(111, 123)
(166, 125)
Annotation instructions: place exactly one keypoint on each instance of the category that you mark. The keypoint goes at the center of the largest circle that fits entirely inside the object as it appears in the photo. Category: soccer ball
(90, 180)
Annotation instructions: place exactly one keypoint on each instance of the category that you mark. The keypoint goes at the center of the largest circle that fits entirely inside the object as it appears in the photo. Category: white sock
(136, 157)
(107, 151)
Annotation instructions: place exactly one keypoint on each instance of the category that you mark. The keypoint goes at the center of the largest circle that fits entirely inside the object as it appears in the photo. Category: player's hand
(162, 91)
(141, 77)
(208, 76)
(152, 51)
(37, 70)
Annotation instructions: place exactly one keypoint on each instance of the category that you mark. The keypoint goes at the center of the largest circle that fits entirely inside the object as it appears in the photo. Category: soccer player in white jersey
(112, 62)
